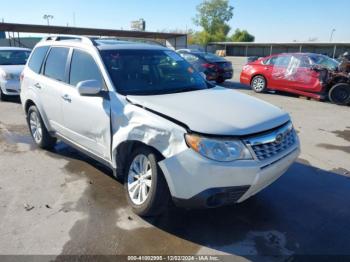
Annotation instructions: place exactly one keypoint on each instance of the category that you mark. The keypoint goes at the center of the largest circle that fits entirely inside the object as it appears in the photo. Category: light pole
(47, 18)
(332, 33)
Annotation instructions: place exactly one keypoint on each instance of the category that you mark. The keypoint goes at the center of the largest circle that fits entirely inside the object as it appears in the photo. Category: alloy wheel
(258, 84)
(139, 179)
(35, 127)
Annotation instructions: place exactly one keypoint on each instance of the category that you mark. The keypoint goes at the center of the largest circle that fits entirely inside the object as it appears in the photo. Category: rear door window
(55, 66)
(37, 58)
(83, 67)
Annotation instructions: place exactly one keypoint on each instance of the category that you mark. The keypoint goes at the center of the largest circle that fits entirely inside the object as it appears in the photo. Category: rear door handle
(66, 98)
(37, 85)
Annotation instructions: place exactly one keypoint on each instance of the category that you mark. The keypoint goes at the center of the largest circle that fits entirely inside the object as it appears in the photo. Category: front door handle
(66, 98)
(37, 85)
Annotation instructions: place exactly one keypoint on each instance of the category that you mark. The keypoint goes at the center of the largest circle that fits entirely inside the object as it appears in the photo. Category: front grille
(274, 143)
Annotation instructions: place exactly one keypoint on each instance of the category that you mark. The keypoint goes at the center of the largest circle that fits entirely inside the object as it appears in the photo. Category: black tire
(340, 94)
(46, 141)
(220, 80)
(259, 84)
(3, 97)
(158, 195)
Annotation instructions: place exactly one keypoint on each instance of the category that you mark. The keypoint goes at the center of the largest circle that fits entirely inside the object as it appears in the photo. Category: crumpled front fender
(134, 123)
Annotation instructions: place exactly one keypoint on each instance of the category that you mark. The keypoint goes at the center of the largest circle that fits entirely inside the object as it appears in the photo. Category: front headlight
(218, 149)
(8, 76)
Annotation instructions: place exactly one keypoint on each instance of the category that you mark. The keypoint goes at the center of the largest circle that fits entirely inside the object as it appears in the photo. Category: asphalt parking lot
(62, 202)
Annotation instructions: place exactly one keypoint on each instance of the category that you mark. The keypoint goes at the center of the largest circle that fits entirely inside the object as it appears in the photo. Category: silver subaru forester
(155, 121)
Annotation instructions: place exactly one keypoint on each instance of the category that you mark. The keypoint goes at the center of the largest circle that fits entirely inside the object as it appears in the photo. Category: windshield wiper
(181, 90)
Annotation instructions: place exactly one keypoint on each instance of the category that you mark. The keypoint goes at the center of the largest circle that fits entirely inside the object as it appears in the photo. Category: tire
(3, 97)
(153, 184)
(259, 84)
(220, 80)
(340, 94)
(38, 130)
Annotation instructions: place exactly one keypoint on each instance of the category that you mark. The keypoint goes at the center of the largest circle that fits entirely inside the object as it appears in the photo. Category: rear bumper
(215, 75)
(226, 74)
(10, 87)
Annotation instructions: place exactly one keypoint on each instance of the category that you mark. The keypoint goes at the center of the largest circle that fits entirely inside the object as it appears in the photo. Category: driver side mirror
(89, 87)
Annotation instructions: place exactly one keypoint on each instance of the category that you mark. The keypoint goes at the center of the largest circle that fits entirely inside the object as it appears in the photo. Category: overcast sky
(268, 20)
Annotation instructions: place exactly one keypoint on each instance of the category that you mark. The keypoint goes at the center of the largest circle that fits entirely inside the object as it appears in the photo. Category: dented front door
(86, 117)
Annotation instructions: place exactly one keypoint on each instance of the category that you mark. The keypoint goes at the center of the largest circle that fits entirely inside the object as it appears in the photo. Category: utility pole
(332, 33)
(74, 19)
(47, 18)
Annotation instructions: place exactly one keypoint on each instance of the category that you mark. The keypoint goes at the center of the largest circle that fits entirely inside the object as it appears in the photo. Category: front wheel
(340, 94)
(38, 130)
(259, 84)
(146, 189)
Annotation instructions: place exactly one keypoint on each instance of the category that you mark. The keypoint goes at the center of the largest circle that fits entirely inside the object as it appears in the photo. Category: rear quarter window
(37, 58)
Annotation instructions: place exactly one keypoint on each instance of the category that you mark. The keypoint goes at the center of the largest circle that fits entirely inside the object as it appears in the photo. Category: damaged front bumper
(197, 182)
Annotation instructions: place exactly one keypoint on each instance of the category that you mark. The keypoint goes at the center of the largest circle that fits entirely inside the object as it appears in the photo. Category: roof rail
(83, 39)
(127, 40)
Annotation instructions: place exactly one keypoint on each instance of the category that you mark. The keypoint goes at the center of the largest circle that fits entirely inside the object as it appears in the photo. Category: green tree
(242, 36)
(212, 16)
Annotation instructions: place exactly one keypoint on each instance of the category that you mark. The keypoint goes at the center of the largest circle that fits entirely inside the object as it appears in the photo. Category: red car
(293, 72)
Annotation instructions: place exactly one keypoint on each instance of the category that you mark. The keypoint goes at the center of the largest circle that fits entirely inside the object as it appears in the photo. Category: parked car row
(312, 75)
(215, 68)
(146, 113)
(12, 61)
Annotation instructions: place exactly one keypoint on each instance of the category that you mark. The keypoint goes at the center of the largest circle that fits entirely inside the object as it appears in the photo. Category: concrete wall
(237, 63)
(266, 50)
(24, 42)
(177, 42)
(174, 43)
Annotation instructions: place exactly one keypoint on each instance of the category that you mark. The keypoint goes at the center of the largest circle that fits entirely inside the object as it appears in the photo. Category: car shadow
(235, 85)
(12, 99)
(305, 212)
(238, 86)
(302, 216)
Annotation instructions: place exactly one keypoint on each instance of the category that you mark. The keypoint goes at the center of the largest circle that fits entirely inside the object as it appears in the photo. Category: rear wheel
(258, 84)
(340, 94)
(146, 189)
(38, 130)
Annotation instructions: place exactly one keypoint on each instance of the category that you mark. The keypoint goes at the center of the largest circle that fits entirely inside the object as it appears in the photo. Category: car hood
(12, 69)
(216, 111)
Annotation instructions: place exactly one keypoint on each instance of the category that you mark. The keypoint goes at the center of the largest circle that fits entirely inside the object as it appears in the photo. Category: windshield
(13, 57)
(150, 72)
(325, 61)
